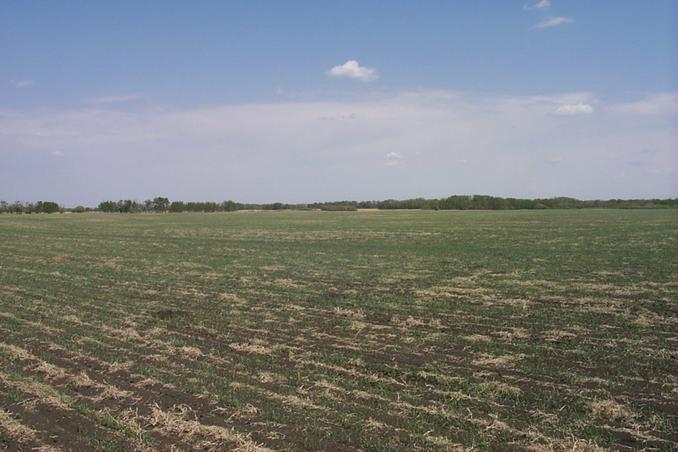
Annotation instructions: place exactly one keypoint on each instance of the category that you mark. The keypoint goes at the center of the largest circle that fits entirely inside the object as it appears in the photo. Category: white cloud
(56, 154)
(22, 83)
(348, 117)
(393, 158)
(113, 99)
(542, 4)
(573, 109)
(554, 22)
(658, 103)
(352, 69)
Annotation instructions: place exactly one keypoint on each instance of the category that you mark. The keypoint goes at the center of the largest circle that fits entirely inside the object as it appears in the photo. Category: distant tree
(160, 204)
(177, 206)
(46, 207)
(366, 205)
(229, 206)
(338, 207)
(16, 207)
(125, 206)
(79, 209)
(108, 206)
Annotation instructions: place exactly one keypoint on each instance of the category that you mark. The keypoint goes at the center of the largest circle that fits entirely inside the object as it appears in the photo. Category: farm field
(372, 330)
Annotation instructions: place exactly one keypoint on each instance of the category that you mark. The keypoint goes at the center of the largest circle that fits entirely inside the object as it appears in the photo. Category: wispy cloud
(554, 21)
(573, 109)
(393, 158)
(352, 69)
(113, 99)
(443, 138)
(659, 103)
(347, 117)
(22, 83)
(542, 4)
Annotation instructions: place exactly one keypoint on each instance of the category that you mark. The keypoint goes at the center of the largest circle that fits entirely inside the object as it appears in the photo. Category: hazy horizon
(264, 102)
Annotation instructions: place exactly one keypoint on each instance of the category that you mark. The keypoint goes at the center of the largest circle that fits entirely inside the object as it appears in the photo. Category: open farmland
(373, 330)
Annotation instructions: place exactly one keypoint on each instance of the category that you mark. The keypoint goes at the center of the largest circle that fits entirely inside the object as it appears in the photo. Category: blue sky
(217, 100)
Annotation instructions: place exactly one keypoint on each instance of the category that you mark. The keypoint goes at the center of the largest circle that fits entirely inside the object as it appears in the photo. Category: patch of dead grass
(15, 429)
(254, 347)
(356, 314)
(408, 322)
(190, 352)
(504, 361)
(610, 410)
(557, 335)
(207, 437)
(452, 292)
(477, 338)
(497, 389)
(513, 334)
(226, 296)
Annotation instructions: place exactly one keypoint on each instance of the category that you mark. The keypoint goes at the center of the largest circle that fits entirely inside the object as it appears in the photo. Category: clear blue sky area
(206, 52)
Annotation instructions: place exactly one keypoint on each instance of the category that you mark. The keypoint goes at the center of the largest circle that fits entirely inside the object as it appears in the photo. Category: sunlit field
(373, 330)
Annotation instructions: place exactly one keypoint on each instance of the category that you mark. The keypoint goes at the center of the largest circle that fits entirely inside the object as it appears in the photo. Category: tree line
(30, 207)
(161, 204)
(457, 202)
